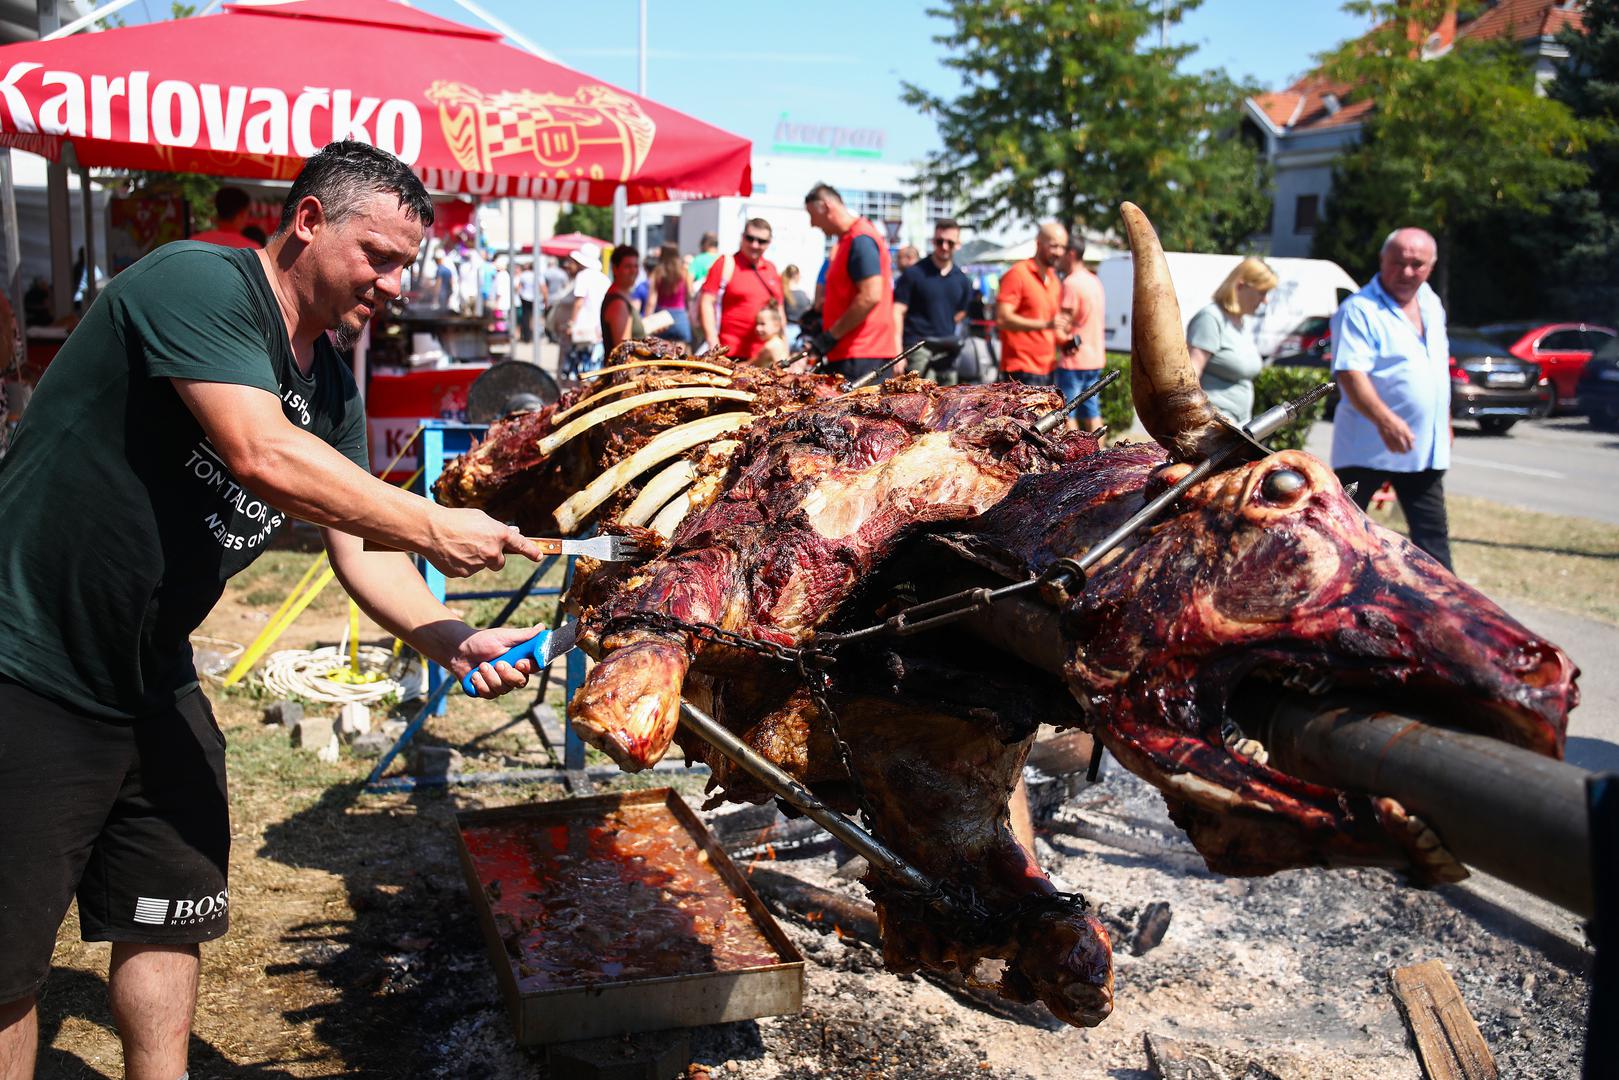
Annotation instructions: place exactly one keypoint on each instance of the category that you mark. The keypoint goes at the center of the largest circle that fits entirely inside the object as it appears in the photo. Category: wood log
(822, 908)
(1449, 1044)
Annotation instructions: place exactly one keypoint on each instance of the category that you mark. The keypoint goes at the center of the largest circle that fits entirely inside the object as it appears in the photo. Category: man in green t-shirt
(197, 406)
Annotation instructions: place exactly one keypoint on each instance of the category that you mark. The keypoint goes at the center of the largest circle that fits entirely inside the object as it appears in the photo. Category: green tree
(1065, 112)
(1453, 140)
(1581, 240)
(594, 221)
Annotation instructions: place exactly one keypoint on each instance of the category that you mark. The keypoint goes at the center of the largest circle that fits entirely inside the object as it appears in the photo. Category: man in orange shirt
(1029, 312)
(1080, 359)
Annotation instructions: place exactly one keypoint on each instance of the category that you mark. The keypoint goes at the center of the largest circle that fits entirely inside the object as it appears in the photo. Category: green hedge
(1275, 385)
(1117, 411)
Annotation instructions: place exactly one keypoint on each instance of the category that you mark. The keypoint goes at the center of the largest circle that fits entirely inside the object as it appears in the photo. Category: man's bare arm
(1358, 391)
(705, 318)
(386, 585)
(298, 473)
(868, 292)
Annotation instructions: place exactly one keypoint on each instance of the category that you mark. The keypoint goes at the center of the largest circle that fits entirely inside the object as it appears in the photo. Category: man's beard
(345, 336)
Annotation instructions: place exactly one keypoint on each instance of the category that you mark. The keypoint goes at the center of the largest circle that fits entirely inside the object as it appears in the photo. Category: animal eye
(1282, 485)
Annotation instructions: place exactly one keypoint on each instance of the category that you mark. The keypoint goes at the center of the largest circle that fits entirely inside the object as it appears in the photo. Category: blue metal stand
(441, 441)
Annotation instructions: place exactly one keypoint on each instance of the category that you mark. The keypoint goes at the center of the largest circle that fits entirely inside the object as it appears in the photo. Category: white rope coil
(325, 675)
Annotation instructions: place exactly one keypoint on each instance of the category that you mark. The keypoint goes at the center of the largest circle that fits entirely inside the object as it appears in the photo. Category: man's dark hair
(946, 223)
(622, 252)
(1076, 243)
(228, 202)
(760, 223)
(342, 174)
(709, 242)
(823, 192)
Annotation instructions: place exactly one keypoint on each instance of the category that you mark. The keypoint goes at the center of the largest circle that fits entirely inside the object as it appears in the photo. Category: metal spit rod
(1506, 810)
(878, 854)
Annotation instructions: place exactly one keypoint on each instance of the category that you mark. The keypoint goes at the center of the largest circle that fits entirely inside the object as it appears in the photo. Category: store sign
(827, 140)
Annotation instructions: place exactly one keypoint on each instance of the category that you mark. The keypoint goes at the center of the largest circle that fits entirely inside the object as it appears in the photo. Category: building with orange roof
(1303, 128)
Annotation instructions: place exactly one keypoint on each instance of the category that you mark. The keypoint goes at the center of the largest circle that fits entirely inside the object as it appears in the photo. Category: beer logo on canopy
(597, 124)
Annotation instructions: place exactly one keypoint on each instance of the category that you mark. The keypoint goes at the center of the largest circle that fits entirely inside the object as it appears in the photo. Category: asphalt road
(1556, 466)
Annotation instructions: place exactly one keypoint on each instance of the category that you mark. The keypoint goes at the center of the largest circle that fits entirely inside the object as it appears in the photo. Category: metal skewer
(1049, 421)
(878, 854)
(869, 377)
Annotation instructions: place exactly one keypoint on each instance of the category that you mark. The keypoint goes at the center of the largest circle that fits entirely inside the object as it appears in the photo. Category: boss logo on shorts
(155, 911)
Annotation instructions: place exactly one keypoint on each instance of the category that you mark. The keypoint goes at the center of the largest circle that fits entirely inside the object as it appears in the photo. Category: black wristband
(824, 342)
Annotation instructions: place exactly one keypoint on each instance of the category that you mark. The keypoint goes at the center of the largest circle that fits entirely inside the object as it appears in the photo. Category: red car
(1561, 349)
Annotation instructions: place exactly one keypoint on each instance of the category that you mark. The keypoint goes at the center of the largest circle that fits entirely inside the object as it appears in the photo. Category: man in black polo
(199, 404)
(930, 303)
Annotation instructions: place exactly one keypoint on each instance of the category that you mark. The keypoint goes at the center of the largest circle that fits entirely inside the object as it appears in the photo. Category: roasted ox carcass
(831, 512)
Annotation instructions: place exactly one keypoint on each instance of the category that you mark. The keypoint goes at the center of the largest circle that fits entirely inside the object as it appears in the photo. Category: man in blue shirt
(1391, 357)
(929, 303)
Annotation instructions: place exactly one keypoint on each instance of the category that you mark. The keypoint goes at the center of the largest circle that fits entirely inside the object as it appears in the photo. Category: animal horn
(1172, 406)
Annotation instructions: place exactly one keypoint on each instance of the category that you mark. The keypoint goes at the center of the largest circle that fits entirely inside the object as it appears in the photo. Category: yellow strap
(354, 637)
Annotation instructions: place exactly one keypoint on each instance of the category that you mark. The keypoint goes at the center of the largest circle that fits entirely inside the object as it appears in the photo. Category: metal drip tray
(620, 913)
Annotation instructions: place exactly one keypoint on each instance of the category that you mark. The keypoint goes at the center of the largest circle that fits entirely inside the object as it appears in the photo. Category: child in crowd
(770, 326)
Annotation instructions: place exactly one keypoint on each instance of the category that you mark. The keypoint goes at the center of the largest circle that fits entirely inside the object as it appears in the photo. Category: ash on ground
(1285, 977)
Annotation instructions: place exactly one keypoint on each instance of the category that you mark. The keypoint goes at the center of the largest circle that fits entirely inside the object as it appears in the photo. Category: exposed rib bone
(702, 379)
(580, 424)
(677, 440)
(695, 365)
(670, 517)
(659, 490)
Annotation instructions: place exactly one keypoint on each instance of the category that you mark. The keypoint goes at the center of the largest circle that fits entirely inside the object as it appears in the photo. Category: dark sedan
(1487, 384)
(1599, 388)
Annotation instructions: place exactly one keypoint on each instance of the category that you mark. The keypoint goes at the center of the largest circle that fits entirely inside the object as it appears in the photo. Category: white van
(1305, 287)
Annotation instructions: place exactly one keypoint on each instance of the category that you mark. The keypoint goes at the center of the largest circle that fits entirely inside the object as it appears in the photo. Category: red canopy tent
(253, 92)
(568, 243)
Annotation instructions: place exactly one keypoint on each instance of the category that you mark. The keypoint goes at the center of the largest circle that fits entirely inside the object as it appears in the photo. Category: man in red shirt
(1029, 312)
(857, 317)
(231, 209)
(736, 287)
(1080, 363)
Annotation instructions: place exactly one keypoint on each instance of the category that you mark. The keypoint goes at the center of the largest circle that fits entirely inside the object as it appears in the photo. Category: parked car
(1488, 385)
(1599, 388)
(1304, 337)
(1561, 349)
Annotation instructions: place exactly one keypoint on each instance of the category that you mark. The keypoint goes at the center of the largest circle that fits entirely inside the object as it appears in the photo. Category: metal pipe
(800, 798)
(1501, 808)
(1506, 810)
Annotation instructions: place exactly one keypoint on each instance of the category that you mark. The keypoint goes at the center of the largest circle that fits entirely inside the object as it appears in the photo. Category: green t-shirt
(119, 524)
(1234, 360)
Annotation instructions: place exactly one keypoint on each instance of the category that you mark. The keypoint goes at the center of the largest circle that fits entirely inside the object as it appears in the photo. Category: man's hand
(463, 542)
(478, 652)
(1395, 433)
(823, 343)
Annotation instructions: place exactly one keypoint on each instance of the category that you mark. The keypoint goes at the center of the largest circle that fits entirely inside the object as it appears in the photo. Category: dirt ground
(354, 949)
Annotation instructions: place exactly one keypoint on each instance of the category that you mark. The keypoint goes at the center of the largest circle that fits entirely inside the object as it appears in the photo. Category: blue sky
(740, 64)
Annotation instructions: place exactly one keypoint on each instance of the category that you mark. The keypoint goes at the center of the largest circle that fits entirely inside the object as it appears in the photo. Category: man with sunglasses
(930, 303)
(736, 287)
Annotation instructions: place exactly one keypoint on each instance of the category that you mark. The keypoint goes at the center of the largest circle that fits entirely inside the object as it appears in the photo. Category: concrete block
(285, 713)
(329, 752)
(352, 721)
(371, 744)
(434, 761)
(394, 728)
(313, 732)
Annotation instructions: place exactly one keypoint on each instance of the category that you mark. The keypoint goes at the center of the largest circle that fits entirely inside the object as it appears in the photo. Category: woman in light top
(1222, 348)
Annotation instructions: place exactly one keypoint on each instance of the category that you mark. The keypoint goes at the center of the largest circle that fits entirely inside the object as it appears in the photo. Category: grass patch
(1567, 563)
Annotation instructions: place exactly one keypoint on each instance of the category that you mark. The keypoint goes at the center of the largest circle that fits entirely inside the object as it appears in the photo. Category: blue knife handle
(526, 651)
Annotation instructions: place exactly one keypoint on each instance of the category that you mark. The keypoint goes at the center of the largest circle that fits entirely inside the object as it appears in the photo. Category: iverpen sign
(234, 119)
(830, 140)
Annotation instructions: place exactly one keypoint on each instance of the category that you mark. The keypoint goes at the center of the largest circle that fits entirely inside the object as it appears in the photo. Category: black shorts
(132, 817)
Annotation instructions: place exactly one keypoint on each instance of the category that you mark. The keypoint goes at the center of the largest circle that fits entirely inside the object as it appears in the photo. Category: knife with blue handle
(542, 648)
